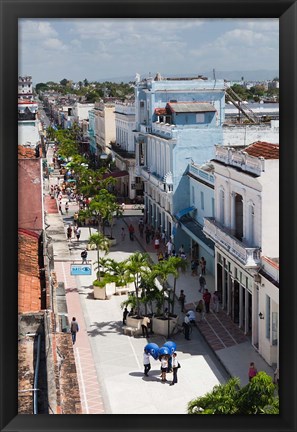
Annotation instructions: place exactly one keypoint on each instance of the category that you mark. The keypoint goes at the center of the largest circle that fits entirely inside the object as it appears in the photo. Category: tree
(163, 270)
(137, 265)
(180, 265)
(257, 397)
(64, 82)
(101, 243)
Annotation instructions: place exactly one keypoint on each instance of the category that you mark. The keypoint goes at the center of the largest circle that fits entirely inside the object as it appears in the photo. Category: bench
(131, 328)
(120, 291)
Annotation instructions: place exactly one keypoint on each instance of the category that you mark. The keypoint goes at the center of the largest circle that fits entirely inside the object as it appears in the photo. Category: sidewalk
(228, 342)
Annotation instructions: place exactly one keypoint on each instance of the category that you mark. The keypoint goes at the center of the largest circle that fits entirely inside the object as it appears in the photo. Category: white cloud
(34, 30)
(54, 43)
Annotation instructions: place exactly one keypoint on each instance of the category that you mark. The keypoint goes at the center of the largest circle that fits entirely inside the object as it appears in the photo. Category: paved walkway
(102, 376)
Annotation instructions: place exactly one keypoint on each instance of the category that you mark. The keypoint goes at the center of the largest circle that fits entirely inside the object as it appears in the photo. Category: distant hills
(253, 75)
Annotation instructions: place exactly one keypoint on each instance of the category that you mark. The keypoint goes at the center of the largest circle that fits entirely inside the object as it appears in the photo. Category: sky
(100, 49)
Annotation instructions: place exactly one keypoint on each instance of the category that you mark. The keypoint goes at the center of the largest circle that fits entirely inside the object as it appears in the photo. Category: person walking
(182, 298)
(164, 366)
(69, 232)
(74, 328)
(175, 366)
(252, 371)
(147, 235)
(203, 265)
(160, 256)
(169, 246)
(146, 362)
(207, 298)
(144, 326)
(200, 309)
(215, 302)
(66, 207)
(186, 325)
(77, 233)
(202, 283)
(181, 250)
(125, 313)
(131, 232)
(194, 267)
(123, 234)
(84, 256)
(157, 243)
(60, 208)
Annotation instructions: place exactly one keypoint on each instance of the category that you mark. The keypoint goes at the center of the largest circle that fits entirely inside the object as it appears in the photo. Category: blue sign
(80, 269)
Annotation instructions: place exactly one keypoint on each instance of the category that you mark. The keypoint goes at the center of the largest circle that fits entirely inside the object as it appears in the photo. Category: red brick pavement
(91, 397)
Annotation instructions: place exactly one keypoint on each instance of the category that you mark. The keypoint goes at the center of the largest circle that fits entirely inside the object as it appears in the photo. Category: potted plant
(101, 243)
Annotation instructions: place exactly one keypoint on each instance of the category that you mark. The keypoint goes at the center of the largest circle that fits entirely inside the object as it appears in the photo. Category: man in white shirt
(144, 326)
(174, 368)
(146, 362)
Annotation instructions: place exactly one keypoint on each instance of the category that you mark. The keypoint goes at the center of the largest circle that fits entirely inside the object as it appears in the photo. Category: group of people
(169, 364)
(73, 231)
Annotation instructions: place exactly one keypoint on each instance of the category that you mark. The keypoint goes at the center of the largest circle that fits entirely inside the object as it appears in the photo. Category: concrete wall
(238, 135)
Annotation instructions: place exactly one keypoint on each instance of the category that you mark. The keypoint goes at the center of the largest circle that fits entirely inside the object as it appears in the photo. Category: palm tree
(137, 265)
(102, 243)
(163, 270)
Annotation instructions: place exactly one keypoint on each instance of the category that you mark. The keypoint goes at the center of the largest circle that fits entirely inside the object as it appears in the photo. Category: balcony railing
(249, 257)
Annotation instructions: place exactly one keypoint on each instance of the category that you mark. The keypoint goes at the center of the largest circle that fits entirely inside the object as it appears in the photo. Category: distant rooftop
(263, 149)
(194, 107)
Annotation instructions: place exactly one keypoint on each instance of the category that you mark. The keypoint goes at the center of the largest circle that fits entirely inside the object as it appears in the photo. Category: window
(222, 206)
(193, 195)
(212, 207)
(200, 118)
(202, 200)
(274, 320)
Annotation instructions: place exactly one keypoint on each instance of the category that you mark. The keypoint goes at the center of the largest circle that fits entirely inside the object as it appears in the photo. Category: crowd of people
(168, 364)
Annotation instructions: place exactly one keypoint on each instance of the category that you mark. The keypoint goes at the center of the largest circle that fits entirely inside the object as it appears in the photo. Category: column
(233, 217)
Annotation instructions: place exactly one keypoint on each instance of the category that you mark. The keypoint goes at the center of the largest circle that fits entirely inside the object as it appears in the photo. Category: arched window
(222, 206)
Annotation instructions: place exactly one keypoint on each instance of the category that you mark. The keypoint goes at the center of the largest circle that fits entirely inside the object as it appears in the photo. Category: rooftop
(29, 291)
(263, 149)
(25, 152)
(194, 107)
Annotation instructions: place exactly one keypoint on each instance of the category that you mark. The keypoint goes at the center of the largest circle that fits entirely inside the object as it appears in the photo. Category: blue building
(92, 133)
(177, 120)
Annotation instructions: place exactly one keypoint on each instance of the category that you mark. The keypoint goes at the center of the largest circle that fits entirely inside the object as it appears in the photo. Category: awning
(116, 174)
(185, 211)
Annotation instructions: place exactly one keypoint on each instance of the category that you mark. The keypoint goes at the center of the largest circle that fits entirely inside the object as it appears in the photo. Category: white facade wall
(81, 111)
(235, 135)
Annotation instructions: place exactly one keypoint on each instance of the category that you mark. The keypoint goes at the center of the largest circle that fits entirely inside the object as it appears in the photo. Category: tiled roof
(264, 149)
(29, 290)
(26, 153)
(161, 111)
(182, 107)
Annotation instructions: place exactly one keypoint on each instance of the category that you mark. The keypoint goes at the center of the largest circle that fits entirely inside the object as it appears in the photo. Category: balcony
(240, 159)
(122, 152)
(165, 130)
(249, 257)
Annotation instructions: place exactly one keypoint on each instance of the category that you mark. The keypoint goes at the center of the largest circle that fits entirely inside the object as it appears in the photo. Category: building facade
(176, 120)
(245, 226)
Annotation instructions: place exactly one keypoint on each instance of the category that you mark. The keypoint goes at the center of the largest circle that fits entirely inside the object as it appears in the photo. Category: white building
(105, 129)
(245, 226)
(25, 90)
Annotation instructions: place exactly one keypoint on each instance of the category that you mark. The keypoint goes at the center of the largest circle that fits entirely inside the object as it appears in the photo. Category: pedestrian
(84, 256)
(181, 250)
(69, 232)
(192, 316)
(194, 267)
(160, 256)
(164, 366)
(146, 362)
(144, 326)
(66, 207)
(74, 328)
(131, 232)
(175, 366)
(202, 283)
(276, 378)
(147, 235)
(215, 302)
(157, 243)
(186, 325)
(169, 246)
(60, 208)
(152, 231)
(123, 234)
(252, 371)
(141, 227)
(125, 313)
(207, 298)
(203, 265)
(200, 309)
(182, 298)
(163, 237)
(77, 233)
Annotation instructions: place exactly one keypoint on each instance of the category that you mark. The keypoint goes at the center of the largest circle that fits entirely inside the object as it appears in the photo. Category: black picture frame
(11, 11)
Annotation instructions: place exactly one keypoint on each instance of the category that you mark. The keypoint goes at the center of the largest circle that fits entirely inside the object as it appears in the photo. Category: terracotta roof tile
(29, 290)
(26, 152)
(264, 149)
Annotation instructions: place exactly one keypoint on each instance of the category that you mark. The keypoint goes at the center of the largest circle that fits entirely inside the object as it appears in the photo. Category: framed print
(85, 387)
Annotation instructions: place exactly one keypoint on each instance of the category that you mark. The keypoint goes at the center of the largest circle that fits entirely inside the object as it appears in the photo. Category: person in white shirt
(164, 366)
(174, 368)
(146, 362)
(192, 316)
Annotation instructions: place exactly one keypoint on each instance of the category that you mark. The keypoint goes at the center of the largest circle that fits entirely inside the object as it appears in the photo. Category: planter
(91, 246)
(160, 325)
(135, 323)
(105, 292)
(112, 241)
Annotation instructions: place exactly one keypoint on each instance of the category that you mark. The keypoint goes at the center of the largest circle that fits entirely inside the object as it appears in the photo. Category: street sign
(80, 269)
